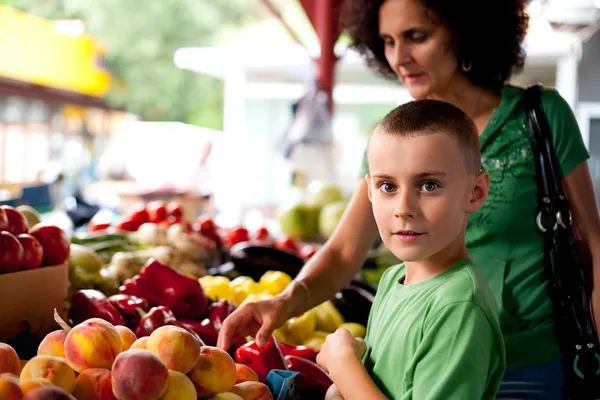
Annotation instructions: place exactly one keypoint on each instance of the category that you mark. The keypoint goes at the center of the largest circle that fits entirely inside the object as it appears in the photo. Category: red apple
(17, 223)
(33, 253)
(11, 253)
(3, 220)
(54, 241)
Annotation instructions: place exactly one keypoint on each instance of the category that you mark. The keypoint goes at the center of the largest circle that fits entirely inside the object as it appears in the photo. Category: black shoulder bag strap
(571, 283)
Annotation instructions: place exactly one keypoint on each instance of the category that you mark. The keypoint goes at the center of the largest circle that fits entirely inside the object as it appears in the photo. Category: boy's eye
(386, 187)
(428, 186)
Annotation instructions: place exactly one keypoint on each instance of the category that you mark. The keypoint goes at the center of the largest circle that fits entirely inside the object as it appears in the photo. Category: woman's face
(417, 48)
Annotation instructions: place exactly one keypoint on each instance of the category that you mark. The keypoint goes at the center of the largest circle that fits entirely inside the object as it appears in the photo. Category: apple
(33, 253)
(11, 253)
(3, 220)
(17, 224)
(54, 241)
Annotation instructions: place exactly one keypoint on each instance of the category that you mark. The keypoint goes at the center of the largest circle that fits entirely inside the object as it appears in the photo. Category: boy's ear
(480, 191)
(368, 180)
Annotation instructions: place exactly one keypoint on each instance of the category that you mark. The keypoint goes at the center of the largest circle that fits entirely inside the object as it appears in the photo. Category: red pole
(326, 27)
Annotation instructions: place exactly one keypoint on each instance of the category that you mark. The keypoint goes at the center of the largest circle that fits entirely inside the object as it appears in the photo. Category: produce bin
(32, 296)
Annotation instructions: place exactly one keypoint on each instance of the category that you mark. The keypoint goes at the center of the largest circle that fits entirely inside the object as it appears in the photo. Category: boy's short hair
(434, 116)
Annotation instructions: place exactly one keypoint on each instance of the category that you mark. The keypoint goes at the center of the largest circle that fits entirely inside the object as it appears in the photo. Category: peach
(94, 384)
(139, 375)
(53, 368)
(34, 383)
(140, 343)
(244, 373)
(94, 343)
(226, 396)
(253, 391)
(48, 393)
(127, 337)
(10, 389)
(9, 360)
(179, 387)
(177, 348)
(214, 373)
(53, 344)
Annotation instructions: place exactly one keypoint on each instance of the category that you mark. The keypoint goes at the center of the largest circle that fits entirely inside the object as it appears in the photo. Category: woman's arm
(334, 266)
(586, 222)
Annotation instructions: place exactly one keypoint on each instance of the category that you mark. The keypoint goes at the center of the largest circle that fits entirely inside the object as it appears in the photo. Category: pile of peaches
(98, 361)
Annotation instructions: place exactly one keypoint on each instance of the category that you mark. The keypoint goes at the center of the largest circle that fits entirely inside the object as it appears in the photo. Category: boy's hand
(339, 346)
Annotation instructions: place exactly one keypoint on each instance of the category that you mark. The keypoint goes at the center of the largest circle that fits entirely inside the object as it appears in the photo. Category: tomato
(206, 226)
(127, 224)
(11, 253)
(33, 253)
(95, 227)
(238, 235)
(157, 211)
(286, 243)
(17, 223)
(174, 209)
(139, 216)
(307, 252)
(3, 220)
(54, 241)
(262, 234)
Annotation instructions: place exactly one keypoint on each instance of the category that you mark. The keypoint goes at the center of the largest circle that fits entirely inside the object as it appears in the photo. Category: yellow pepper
(242, 287)
(274, 282)
(300, 328)
(217, 288)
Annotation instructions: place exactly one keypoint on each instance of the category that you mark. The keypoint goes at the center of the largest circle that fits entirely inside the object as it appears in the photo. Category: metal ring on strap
(559, 221)
(578, 371)
(538, 221)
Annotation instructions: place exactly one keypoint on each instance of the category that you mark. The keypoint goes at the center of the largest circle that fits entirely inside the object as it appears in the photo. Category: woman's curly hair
(487, 34)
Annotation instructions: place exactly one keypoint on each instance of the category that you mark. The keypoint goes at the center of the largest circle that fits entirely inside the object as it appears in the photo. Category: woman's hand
(338, 348)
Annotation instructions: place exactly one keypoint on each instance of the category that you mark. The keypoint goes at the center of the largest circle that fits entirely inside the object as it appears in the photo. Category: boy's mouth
(408, 236)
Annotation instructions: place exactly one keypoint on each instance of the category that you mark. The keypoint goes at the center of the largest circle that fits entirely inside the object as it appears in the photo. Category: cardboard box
(32, 296)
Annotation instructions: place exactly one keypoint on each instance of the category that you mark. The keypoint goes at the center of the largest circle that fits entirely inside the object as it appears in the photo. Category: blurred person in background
(463, 52)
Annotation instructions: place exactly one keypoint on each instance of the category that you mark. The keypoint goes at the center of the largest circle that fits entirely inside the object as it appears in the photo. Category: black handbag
(567, 264)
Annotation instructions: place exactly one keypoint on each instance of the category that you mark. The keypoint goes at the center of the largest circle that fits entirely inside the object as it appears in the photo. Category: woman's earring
(466, 66)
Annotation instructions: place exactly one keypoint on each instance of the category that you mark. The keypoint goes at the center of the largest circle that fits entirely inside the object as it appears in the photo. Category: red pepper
(162, 285)
(128, 307)
(157, 317)
(86, 304)
(261, 359)
(127, 304)
(205, 329)
(305, 352)
(311, 377)
(218, 311)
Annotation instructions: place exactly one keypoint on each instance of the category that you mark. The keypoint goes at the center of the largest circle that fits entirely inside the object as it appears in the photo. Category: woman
(463, 52)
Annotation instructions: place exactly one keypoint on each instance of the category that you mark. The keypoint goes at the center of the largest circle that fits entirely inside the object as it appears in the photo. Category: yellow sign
(33, 51)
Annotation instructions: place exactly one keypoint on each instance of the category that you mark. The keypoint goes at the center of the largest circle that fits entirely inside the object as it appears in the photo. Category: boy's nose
(404, 208)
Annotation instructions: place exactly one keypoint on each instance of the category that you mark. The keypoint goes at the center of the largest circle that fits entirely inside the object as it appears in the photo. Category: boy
(433, 331)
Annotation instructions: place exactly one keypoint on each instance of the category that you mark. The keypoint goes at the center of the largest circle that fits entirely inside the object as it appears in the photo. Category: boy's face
(422, 193)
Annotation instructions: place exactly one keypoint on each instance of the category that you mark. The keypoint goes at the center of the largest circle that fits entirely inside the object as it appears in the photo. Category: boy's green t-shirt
(502, 237)
(436, 339)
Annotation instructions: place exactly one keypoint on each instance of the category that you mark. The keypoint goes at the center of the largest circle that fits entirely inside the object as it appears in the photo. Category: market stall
(130, 305)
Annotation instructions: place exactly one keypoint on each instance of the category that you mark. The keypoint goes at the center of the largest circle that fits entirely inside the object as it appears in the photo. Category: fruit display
(107, 255)
(316, 215)
(94, 360)
(25, 248)
(309, 329)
